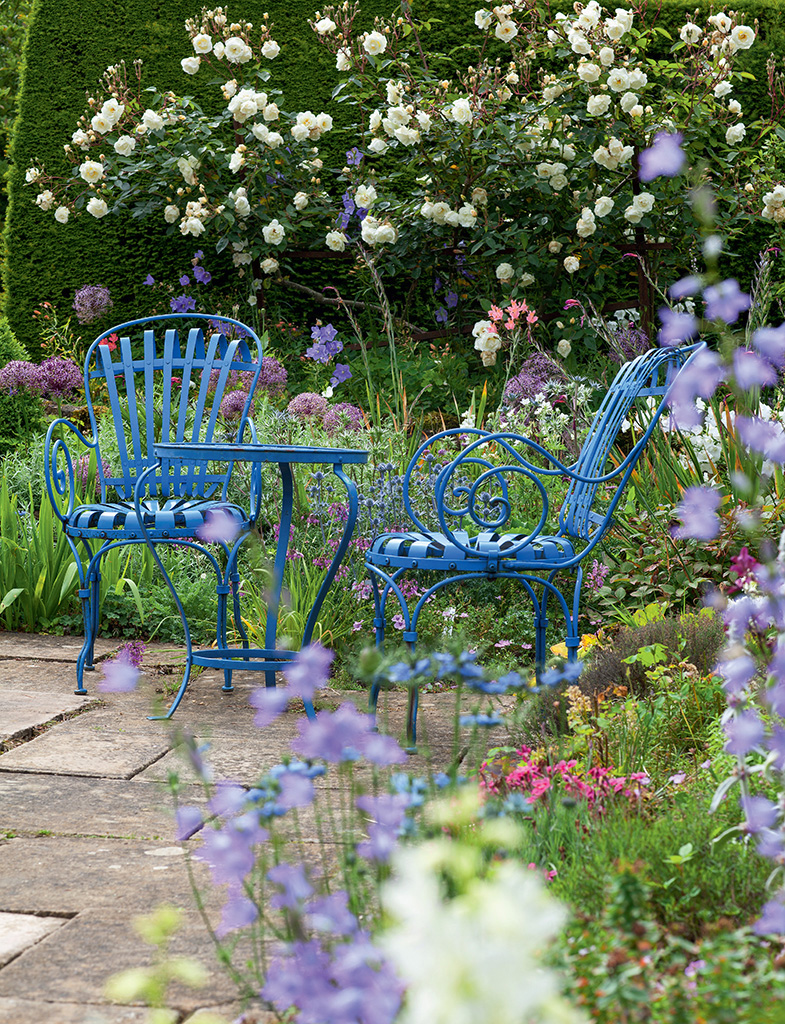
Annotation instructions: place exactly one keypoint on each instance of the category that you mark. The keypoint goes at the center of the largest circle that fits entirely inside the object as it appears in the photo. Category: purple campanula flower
(202, 276)
(759, 812)
(185, 280)
(189, 820)
(725, 301)
(292, 880)
(770, 843)
(119, 676)
(762, 436)
(149, 280)
(383, 750)
(318, 352)
(676, 327)
(229, 852)
(770, 342)
(698, 513)
(772, 920)
(441, 315)
(198, 255)
(744, 732)
(238, 912)
(331, 914)
(335, 737)
(270, 702)
(736, 673)
(451, 300)
(664, 158)
(182, 304)
(686, 286)
(229, 798)
(777, 746)
(219, 527)
(751, 371)
(354, 157)
(91, 303)
(697, 380)
(309, 670)
(341, 373)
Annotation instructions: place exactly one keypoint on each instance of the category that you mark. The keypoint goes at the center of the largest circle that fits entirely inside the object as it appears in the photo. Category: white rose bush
(514, 176)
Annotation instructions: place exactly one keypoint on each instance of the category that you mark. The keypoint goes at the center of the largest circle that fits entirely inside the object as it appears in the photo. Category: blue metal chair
(156, 389)
(476, 489)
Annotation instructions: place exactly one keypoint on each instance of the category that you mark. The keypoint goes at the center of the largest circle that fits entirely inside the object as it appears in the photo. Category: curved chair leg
(222, 591)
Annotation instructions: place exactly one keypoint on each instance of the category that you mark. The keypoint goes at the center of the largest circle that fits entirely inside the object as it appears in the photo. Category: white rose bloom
(407, 136)
(237, 51)
(505, 272)
(336, 240)
(229, 89)
(32, 174)
(378, 146)
(45, 199)
(479, 197)
(633, 214)
(467, 216)
(603, 206)
(735, 134)
(558, 182)
(365, 196)
(91, 171)
(113, 109)
(202, 43)
(506, 31)
(152, 121)
(171, 214)
(598, 105)
(271, 112)
(637, 79)
(628, 101)
(461, 111)
(342, 62)
(722, 89)
(527, 280)
(579, 43)
(544, 169)
(625, 17)
(564, 348)
(97, 207)
(395, 93)
(269, 266)
(439, 212)
(386, 234)
(236, 161)
(424, 120)
(553, 37)
(62, 213)
(483, 19)
(368, 230)
(451, 218)
(721, 22)
(374, 43)
(554, 246)
(690, 33)
(572, 264)
(271, 49)
(614, 29)
(374, 120)
(274, 140)
(273, 232)
(607, 56)
(734, 107)
(300, 201)
(644, 201)
(241, 206)
(101, 123)
(219, 50)
(191, 226)
(585, 228)
(742, 37)
(588, 72)
(636, 111)
(125, 145)
(618, 80)
(185, 167)
(299, 132)
(426, 210)
(191, 65)
(260, 132)
(325, 26)
(324, 122)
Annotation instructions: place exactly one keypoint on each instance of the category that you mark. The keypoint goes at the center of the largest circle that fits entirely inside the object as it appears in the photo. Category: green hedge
(64, 56)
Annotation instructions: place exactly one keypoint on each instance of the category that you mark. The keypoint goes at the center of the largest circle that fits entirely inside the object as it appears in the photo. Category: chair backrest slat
(141, 418)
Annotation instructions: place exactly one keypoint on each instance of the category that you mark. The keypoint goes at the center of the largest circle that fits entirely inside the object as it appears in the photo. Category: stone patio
(87, 827)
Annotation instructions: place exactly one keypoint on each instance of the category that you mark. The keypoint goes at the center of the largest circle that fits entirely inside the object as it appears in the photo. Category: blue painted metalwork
(139, 380)
(475, 489)
(197, 455)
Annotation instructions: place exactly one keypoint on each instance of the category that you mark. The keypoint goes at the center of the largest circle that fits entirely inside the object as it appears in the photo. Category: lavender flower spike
(664, 158)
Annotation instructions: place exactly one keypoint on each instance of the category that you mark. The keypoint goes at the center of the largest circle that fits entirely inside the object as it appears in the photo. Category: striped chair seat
(168, 518)
(405, 548)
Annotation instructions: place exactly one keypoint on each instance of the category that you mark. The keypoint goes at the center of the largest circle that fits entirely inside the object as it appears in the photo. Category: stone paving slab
(23, 710)
(33, 803)
(99, 743)
(37, 646)
(24, 1011)
(74, 963)
(18, 931)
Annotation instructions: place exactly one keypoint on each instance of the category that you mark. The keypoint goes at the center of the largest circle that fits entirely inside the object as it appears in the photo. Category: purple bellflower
(664, 158)
(698, 513)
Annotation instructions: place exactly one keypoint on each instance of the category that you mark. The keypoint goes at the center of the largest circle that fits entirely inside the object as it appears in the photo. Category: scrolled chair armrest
(60, 480)
(255, 500)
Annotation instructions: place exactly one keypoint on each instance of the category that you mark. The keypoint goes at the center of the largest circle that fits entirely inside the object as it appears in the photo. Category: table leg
(279, 566)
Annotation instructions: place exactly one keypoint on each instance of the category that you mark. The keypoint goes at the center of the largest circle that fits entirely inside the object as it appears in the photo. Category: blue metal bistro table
(197, 456)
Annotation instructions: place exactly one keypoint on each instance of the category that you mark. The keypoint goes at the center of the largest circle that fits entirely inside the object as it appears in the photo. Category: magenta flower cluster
(54, 378)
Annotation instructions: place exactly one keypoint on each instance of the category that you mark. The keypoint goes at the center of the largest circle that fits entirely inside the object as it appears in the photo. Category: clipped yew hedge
(64, 56)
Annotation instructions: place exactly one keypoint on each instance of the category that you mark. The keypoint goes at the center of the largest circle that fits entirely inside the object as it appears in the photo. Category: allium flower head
(60, 377)
(307, 405)
(344, 415)
(91, 303)
(21, 376)
(273, 376)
